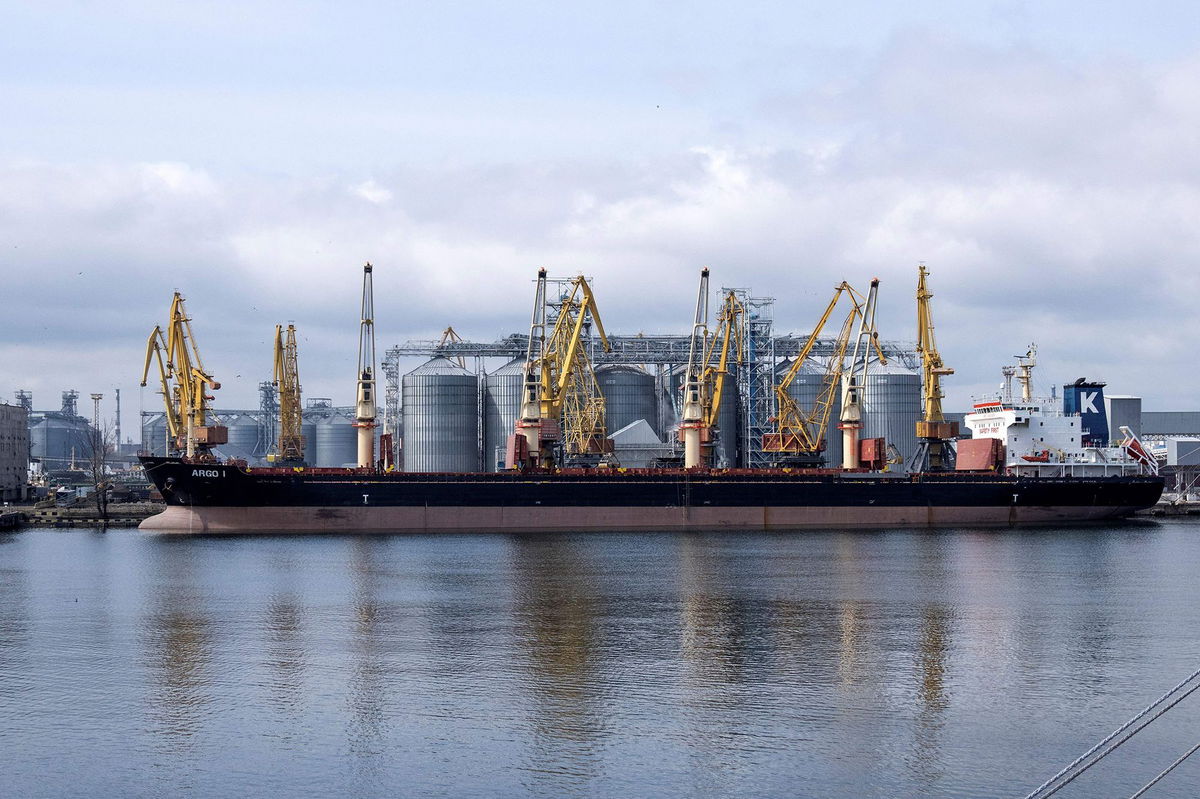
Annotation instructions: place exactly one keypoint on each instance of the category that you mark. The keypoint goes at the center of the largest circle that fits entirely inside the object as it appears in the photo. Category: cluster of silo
(440, 418)
(330, 437)
(891, 406)
(57, 439)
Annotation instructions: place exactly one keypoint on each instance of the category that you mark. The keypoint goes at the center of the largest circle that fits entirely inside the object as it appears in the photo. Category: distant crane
(799, 437)
(450, 336)
(287, 379)
(561, 405)
(364, 417)
(935, 450)
(184, 384)
(704, 382)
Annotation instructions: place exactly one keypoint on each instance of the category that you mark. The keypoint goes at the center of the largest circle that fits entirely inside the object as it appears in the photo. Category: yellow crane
(184, 384)
(287, 378)
(799, 436)
(934, 433)
(704, 381)
(450, 336)
(562, 407)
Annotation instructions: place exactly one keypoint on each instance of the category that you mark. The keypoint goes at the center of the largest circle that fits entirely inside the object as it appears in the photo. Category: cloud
(1053, 203)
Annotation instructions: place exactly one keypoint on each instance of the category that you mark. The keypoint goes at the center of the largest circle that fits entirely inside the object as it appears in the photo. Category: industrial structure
(184, 383)
(287, 381)
(462, 405)
(14, 452)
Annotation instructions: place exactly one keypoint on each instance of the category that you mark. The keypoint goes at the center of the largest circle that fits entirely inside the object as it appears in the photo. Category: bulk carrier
(1027, 462)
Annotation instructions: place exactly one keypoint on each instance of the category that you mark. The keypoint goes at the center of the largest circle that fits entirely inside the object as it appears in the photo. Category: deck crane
(935, 451)
(799, 433)
(853, 380)
(184, 384)
(562, 409)
(287, 379)
(364, 414)
(704, 381)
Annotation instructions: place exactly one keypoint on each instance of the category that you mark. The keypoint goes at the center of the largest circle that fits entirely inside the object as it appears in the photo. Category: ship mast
(365, 400)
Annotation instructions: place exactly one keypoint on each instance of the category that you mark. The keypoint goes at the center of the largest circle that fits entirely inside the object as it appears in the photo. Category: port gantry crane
(562, 409)
(853, 380)
(364, 414)
(184, 384)
(934, 452)
(287, 379)
(704, 381)
(799, 437)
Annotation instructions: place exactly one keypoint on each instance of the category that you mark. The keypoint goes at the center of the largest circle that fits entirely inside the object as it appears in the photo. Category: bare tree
(98, 445)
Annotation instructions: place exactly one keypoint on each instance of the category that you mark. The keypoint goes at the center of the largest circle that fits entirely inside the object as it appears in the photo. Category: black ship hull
(222, 498)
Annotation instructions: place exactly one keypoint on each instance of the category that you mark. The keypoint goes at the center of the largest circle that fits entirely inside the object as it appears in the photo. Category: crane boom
(287, 378)
(184, 383)
(561, 404)
(708, 367)
(693, 425)
(799, 435)
(854, 379)
(933, 431)
(365, 395)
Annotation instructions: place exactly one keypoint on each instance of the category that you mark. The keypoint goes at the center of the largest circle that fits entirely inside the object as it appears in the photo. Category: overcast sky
(1042, 158)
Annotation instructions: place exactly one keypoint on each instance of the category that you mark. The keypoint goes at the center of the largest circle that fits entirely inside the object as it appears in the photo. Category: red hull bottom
(226, 520)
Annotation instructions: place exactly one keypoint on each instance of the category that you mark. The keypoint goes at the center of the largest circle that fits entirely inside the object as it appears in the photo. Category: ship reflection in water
(824, 664)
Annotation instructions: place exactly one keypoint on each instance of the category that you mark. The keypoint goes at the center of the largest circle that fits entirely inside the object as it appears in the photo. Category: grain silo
(628, 396)
(154, 433)
(308, 429)
(501, 406)
(337, 440)
(440, 414)
(243, 434)
(891, 406)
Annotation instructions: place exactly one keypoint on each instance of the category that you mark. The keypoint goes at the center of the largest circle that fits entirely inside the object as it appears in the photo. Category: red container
(979, 455)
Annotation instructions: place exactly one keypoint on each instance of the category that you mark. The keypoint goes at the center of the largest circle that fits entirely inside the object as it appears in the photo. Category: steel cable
(1037, 792)
(1165, 771)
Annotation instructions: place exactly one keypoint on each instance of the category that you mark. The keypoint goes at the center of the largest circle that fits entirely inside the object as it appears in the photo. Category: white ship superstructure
(1043, 438)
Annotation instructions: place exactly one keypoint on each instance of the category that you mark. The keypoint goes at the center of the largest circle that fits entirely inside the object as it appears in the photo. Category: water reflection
(15, 635)
(285, 652)
(179, 640)
(367, 679)
(933, 699)
(557, 612)
(841, 665)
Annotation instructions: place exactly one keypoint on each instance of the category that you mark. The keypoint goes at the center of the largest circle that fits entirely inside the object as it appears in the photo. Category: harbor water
(955, 663)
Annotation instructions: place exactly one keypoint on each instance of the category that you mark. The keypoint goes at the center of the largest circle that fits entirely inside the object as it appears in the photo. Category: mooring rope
(1166, 771)
(1038, 792)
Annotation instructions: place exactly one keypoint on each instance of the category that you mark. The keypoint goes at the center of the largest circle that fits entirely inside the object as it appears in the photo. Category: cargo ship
(1026, 462)
(229, 498)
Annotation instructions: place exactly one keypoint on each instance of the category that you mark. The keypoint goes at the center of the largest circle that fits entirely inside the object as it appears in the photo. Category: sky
(1041, 158)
